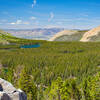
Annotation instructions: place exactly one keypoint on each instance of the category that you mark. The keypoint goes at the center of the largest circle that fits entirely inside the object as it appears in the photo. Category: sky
(30, 14)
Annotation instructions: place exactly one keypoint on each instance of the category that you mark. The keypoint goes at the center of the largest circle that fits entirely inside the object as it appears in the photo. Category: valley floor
(54, 71)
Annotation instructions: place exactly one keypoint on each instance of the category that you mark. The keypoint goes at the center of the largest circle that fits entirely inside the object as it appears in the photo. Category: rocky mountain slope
(92, 35)
(68, 35)
(8, 92)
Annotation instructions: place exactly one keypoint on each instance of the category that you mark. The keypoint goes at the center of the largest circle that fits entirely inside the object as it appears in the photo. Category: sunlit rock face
(92, 35)
(8, 92)
(68, 35)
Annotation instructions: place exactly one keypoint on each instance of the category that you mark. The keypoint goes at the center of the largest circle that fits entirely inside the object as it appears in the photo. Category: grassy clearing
(50, 61)
(53, 59)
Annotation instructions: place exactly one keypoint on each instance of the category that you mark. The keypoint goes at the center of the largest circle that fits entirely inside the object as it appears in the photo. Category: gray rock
(7, 87)
(8, 92)
(1, 89)
(22, 95)
(4, 96)
(18, 95)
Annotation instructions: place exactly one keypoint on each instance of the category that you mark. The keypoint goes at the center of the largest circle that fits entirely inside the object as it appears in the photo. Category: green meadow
(54, 71)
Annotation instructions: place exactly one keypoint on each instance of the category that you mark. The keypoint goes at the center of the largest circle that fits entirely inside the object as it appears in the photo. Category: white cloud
(12, 23)
(32, 18)
(51, 16)
(34, 3)
(19, 22)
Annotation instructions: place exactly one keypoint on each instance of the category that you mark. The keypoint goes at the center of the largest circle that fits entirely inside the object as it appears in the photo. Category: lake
(30, 46)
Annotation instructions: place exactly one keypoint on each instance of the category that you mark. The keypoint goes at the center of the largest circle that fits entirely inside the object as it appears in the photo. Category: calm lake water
(30, 46)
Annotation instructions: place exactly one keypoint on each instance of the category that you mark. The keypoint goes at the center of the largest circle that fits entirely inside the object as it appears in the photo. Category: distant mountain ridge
(38, 33)
(55, 34)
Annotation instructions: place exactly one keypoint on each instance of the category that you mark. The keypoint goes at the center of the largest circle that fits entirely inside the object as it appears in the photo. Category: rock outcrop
(68, 35)
(8, 92)
(92, 35)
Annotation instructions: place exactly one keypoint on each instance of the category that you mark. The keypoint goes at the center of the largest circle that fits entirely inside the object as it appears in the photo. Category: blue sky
(30, 14)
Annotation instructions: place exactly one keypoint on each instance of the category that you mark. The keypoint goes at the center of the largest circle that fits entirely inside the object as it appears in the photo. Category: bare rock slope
(8, 92)
(68, 35)
(92, 35)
